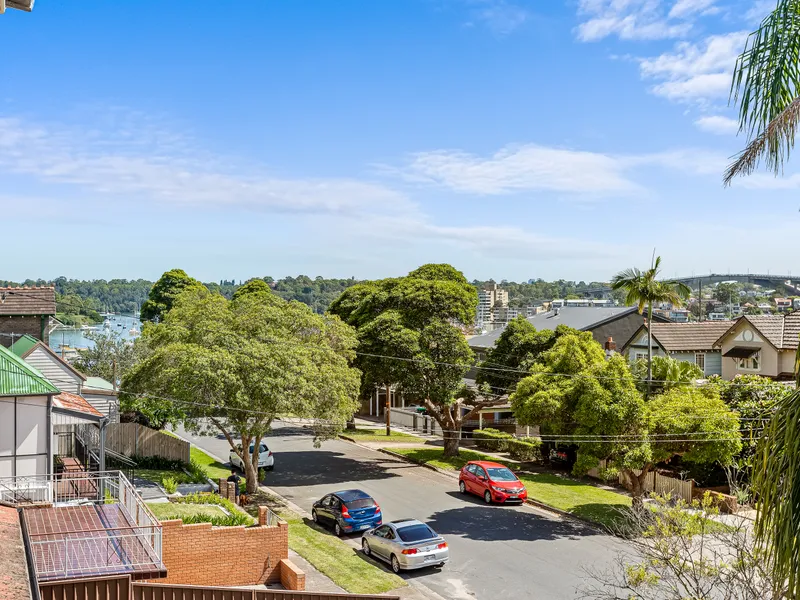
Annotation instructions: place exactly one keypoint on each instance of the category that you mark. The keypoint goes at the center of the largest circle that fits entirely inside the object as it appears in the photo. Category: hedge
(528, 449)
(492, 440)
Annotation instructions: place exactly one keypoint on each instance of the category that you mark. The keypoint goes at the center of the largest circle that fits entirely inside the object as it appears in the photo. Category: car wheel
(441, 565)
(337, 529)
(314, 517)
(462, 487)
(395, 564)
(487, 497)
(365, 547)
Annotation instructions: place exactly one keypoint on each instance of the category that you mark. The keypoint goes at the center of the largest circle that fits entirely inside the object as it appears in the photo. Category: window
(640, 356)
(752, 363)
(700, 361)
(501, 474)
(415, 533)
(471, 469)
(326, 501)
(381, 531)
(479, 472)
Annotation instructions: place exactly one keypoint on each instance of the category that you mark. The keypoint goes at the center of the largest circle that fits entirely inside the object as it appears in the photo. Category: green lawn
(346, 567)
(171, 510)
(213, 468)
(379, 435)
(561, 492)
(156, 475)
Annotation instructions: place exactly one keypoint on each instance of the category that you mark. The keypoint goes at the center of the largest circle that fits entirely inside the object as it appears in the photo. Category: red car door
(469, 478)
(481, 481)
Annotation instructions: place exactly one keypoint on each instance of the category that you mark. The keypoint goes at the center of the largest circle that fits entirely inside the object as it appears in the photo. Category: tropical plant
(642, 289)
(169, 484)
(766, 85)
(667, 372)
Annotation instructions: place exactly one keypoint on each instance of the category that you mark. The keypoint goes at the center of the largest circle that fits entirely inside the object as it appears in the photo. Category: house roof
(23, 344)
(27, 300)
(678, 337)
(15, 583)
(98, 384)
(48, 350)
(72, 403)
(582, 318)
(18, 378)
(782, 331)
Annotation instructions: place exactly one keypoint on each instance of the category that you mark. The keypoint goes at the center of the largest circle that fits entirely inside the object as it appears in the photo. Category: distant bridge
(762, 279)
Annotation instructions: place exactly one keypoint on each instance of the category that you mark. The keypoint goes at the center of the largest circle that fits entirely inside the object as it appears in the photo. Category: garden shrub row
(233, 518)
(528, 449)
(492, 440)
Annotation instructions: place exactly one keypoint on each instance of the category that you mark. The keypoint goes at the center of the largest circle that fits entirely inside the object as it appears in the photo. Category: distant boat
(106, 324)
(133, 331)
(86, 328)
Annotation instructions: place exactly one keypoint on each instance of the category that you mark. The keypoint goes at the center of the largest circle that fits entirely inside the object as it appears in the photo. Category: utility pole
(114, 373)
(388, 410)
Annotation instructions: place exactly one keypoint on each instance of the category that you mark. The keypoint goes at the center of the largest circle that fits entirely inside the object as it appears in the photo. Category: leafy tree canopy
(667, 373)
(164, 292)
(239, 364)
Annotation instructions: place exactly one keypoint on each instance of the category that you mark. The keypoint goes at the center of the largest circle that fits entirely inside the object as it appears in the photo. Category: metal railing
(25, 490)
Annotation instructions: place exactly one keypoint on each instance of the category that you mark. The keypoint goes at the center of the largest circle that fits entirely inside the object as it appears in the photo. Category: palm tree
(643, 290)
(766, 85)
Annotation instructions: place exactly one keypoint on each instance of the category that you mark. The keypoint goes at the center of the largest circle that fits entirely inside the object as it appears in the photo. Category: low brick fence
(204, 555)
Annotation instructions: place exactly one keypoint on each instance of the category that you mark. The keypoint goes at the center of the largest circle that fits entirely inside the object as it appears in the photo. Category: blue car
(347, 511)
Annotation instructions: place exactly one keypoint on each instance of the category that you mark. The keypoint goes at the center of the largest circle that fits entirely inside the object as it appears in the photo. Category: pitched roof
(27, 300)
(782, 331)
(23, 345)
(677, 337)
(18, 378)
(582, 318)
(98, 384)
(48, 350)
(15, 583)
(75, 404)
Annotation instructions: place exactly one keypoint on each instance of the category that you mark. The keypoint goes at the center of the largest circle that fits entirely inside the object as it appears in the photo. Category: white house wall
(59, 374)
(24, 435)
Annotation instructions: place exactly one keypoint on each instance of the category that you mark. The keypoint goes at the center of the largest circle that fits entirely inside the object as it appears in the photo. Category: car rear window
(359, 503)
(415, 533)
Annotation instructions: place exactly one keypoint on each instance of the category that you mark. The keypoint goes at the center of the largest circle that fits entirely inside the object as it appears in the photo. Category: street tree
(577, 395)
(642, 289)
(410, 337)
(237, 365)
(109, 356)
(517, 348)
(164, 292)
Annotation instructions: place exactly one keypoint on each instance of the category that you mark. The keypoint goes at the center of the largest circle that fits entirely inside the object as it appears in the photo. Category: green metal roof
(98, 383)
(23, 344)
(18, 378)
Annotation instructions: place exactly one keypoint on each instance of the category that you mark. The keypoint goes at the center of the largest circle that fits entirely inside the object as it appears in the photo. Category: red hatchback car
(492, 481)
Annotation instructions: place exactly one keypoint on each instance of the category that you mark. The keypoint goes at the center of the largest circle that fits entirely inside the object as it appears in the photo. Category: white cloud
(695, 71)
(517, 168)
(717, 124)
(639, 19)
(686, 8)
(532, 167)
(500, 16)
(759, 10)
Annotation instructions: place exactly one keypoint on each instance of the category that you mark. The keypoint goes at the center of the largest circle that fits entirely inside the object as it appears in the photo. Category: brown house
(26, 310)
(761, 345)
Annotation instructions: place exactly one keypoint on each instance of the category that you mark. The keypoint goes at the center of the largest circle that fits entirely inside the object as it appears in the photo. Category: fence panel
(288, 595)
(96, 588)
(159, 591)
(133, 439)
(677, 488)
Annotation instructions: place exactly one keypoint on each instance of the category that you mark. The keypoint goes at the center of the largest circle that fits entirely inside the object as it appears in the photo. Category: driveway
(496, 551)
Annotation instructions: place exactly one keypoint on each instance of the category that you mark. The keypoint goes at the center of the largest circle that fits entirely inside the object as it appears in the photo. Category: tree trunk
(251, 476)
(450, 442)
(637, 484)
(649, 348)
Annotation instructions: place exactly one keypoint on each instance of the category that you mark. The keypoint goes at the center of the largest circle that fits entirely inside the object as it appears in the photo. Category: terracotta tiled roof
(782, 331)
(27, 301)
(677, 337)
(75, 403)
(14, 582)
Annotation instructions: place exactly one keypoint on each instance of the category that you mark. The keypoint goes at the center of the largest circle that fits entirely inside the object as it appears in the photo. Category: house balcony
(86, 525)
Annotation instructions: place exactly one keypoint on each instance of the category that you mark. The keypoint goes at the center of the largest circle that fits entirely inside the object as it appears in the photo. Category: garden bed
(201, 508)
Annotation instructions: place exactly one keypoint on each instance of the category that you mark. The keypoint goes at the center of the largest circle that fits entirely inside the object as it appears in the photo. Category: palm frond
(765, 83)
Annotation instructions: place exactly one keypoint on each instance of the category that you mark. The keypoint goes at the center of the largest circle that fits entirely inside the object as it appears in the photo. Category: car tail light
(442, 546)
(269, 453)
(345, 513)
(410, 551)
(377, 509)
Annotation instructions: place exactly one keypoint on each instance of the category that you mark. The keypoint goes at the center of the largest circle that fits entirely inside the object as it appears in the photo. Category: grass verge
(213, 468)
(346, 567)
(170, 510)
(156, 475)
(564, 493)
(379, 435)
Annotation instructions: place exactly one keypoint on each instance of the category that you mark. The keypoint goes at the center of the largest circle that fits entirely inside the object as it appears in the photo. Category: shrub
(158, 463)
(492, 440)
(196, 471)
(233, 518)
(169, 484)
(528, 449)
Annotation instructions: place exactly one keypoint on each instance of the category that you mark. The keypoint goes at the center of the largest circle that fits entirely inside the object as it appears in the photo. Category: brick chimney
(610, 347)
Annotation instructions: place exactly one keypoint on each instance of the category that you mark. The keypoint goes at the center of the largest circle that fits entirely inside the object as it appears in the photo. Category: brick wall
(204, 555)
(292, 578)
(20, 325)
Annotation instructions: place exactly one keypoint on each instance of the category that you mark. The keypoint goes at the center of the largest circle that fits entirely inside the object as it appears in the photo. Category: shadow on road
(325, 467)
(478, 521)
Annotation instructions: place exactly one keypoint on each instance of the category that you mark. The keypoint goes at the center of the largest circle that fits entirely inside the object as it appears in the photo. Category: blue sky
(511, 138)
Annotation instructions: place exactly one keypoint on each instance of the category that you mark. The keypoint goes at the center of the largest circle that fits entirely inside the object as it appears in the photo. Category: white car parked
(266, 460)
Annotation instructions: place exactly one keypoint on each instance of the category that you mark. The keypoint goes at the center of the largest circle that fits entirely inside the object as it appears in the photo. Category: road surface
(496, 551)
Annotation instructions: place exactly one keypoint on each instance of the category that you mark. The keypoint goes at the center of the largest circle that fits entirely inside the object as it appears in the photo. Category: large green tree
(240, 364)
(110, 357)
(577, 395)
(643, 289)
(164, 292)
(410, 338)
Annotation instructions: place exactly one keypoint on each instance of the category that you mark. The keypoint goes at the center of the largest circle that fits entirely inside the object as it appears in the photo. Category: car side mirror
(482, 478)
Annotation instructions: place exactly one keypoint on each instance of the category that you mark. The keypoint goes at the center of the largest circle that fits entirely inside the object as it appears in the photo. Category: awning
(741, 352)
(72, 405)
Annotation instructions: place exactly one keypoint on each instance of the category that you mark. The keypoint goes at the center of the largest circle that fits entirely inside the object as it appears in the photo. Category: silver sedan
(406, 544)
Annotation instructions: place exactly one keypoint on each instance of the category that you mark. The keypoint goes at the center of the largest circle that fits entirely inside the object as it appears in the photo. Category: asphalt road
(496, 551)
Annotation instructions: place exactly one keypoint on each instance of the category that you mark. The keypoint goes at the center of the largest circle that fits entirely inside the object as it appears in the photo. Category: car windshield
(415, 533)
(501, 474)
(360, 503)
